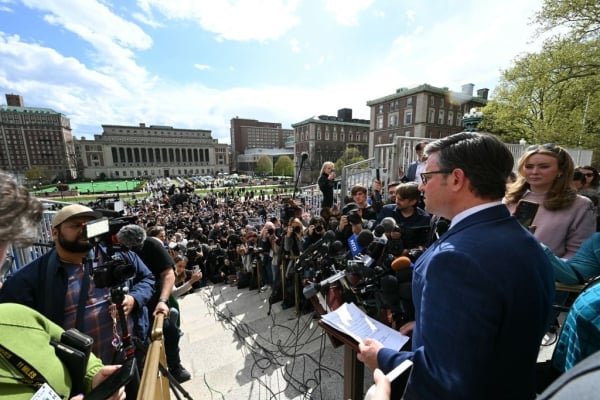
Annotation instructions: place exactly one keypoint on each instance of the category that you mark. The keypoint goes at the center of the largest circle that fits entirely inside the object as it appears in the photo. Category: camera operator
(162, 265)
(55, 284)
(25, 332)
(292, 242)
(359, 197)
(314, 232)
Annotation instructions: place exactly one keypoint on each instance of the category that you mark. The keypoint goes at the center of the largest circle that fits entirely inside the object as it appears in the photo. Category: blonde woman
(564, 219)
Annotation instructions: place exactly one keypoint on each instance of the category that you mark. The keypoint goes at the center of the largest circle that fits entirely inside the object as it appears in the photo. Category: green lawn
(100, 187)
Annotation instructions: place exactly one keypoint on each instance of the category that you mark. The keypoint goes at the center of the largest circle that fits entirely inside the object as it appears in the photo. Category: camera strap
(31, 376)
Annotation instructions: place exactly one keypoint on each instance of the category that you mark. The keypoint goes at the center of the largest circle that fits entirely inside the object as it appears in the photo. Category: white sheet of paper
(352, 321)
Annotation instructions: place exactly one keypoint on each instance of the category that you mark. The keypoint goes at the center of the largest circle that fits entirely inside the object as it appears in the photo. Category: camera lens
(270, 231)
(318, 228)
(297, 229)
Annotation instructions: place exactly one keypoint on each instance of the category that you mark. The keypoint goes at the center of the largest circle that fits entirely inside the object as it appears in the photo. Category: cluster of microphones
(383, 276)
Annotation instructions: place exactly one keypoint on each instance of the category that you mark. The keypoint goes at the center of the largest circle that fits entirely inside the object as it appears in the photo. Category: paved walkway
(235, 351)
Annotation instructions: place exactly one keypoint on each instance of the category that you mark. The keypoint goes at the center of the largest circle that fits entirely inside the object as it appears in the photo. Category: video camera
(114, 271)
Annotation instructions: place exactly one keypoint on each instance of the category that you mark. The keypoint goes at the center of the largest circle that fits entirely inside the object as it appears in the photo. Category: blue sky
(197, 64)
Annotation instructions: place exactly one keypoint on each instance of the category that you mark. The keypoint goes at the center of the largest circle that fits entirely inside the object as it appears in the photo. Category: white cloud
(346, 11)
(295, 45)
(202, 67)
(232, 19)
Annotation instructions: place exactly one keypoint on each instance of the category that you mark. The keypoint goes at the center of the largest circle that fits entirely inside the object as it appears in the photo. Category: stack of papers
(352, 321)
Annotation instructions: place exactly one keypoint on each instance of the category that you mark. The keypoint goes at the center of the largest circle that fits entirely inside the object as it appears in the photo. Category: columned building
(35, 137)
(326, 138)
(424, 111)
(122, 152)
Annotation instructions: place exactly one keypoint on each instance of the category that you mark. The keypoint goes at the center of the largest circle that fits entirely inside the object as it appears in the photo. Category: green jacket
(27, 333)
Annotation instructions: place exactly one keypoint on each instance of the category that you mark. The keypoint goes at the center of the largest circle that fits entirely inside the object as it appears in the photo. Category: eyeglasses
(547, 146)
(588, 174)
(424, 175)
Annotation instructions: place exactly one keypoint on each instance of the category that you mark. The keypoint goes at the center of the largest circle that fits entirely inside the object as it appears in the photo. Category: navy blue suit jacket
(483, 294)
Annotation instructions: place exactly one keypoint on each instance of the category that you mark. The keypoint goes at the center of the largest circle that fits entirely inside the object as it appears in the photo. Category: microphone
(312, 289)
(402, 263)
(375, 249)
(358, 243)
(315, 248)
(364, 238)
(389, 224)
(304, 155)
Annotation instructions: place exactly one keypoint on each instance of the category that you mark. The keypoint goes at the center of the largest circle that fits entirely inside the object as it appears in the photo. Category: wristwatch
(166, 301)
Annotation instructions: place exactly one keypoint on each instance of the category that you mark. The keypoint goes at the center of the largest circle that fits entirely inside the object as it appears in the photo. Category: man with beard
(58, 285)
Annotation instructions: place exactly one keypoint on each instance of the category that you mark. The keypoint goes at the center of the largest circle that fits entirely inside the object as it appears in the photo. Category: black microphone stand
(304, 157)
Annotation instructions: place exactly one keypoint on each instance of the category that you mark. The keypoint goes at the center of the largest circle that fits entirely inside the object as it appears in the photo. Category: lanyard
(31, 376)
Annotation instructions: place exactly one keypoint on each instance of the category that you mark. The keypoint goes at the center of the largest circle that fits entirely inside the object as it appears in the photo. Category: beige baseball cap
(72, 211)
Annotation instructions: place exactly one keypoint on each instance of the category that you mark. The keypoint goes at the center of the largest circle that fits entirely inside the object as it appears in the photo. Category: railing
(154, 385)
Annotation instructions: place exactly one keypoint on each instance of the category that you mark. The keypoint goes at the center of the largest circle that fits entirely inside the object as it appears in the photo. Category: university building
(424, 111)
(123, 151)
(325, 138)
(251, 139)
(35, 137)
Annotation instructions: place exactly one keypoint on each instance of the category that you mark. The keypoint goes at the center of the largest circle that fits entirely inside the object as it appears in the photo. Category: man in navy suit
(483, 291)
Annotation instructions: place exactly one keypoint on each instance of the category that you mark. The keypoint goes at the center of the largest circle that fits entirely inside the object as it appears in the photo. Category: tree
(553, 95)
(36, 174)
(350, 156)
(284, 166)
(264, 166)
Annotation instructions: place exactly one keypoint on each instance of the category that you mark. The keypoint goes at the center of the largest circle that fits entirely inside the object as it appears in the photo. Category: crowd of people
(480, 292)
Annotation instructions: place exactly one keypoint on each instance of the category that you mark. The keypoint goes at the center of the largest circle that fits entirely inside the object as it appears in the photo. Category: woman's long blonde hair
(562, 193)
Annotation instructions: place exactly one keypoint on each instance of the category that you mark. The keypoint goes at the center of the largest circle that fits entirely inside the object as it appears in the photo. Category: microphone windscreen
(401, 263)
(388, 224)
(379, 230)
(365, 237)
(336, 247)
(329, 237)
(304, 155)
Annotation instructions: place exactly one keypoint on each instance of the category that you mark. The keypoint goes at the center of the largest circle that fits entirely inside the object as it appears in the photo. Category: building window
(441, 117)
(380, 122)
(450, 117)
(431, 118)
(409, 101)
(393, 120)
(408, 117)
(431, 100)
(380, 109)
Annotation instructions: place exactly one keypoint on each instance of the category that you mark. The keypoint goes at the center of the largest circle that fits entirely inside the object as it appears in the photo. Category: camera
(270, 231)
(113, 273)
(318, 229)
(297, 230)
(354, 218)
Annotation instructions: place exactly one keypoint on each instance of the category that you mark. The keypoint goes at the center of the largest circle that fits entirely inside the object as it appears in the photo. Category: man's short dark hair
(358, 188)
(484, 159)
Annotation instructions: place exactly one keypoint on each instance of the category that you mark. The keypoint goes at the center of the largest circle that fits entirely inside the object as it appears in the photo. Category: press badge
(46, 393)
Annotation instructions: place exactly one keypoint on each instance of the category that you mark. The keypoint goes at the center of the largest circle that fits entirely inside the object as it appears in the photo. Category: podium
(354, 370)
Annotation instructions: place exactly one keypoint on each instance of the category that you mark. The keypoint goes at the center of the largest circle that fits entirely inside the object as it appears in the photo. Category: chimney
(467, 89)
(142, 124)
(14, 100)
(483, 93)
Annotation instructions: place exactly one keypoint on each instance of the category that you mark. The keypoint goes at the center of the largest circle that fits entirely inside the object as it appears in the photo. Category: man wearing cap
(55, 284)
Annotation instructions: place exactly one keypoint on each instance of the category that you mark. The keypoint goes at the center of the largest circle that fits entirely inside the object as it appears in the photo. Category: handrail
(153, 384)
